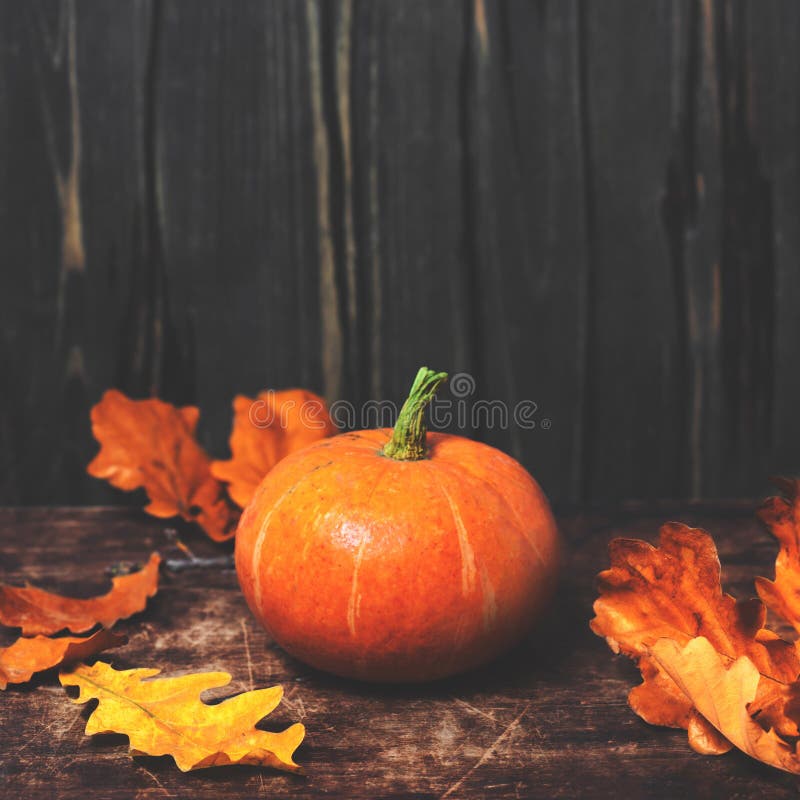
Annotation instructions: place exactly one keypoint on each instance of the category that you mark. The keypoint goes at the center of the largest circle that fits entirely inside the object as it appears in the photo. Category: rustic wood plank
(746, 259)
(238, 184)
(409, 150)
(690, 216)
(774, 116)
(549, 719)
(527, 231)
(722, 235)
(633, 397)
(70, 161)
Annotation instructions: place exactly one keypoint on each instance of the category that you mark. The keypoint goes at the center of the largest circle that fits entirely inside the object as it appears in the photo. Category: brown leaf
(166, 717)
(22, 659)
(781, 515)
(151, 444)
(722, 692)
(674, 592)
(265, 430)
(37, 611)
(658, 700)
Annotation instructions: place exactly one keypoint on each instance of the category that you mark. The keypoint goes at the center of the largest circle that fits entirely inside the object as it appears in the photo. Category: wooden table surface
(548, 720)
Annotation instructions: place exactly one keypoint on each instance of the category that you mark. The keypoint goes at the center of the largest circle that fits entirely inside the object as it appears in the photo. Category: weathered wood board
(548, 720)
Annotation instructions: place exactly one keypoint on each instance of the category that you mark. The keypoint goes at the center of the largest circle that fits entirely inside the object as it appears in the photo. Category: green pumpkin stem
(408, 438)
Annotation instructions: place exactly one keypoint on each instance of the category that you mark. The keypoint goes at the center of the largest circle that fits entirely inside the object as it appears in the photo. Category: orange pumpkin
(397, 555)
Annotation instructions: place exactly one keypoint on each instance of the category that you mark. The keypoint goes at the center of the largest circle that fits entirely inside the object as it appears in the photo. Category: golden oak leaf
(781, 515)
(723, 692)
(674, 592)
(21, 660)
(37, 611)
(167, 717)
(265, 430)
(151, 444)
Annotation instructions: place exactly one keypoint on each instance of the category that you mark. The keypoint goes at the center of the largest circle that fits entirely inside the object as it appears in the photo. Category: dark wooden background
(592, 205)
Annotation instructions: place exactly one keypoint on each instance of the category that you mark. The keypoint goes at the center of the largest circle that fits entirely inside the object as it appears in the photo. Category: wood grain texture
(590, 208)
(548, 720)
(528, 230)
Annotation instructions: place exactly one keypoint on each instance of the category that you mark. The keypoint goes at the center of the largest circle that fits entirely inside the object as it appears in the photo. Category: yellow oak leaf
(167, 717)
(21, 660)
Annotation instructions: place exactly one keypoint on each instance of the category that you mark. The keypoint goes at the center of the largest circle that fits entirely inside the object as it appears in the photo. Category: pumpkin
(397, 555)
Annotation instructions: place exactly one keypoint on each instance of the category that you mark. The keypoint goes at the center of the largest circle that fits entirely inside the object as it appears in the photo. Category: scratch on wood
(709, 60)
(73, 255)
(297, 707)
(374, 216)
(243, 624)
(343, 58)
(67, 183)
(158, 782)
(697, 410)
(474, 709)
(42, 731)
(695, 420)
(480, 27)
(490, 751)
(329, 300)
(716, 299)
(75, 365)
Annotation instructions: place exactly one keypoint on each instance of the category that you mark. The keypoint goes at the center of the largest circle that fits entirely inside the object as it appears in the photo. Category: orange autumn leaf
(781, 515)
(151, 444)
(37, 611)
(167, 717)
(21, 660)
(674, 592)
(723, 693)
(265, 430)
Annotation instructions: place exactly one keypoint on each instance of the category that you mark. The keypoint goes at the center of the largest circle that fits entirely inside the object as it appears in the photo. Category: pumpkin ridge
(262, 533)
(469, 568)
(352, 604)
(489, 482)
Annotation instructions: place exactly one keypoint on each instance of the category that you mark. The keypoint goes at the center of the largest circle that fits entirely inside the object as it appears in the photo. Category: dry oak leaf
(723, 692)
(167, 717)
(37, 611)
(21, 660)
(781, 515)
(151, 444)
(265, 430)
(673, 591)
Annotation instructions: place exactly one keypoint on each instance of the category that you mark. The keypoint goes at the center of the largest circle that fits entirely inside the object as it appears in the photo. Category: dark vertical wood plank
(239, 174)
(690, 213)
(528, 230)
(747, 257)
(633, 395)
(408, 152)
(718, 215)
(70, 163)
(774, 82)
